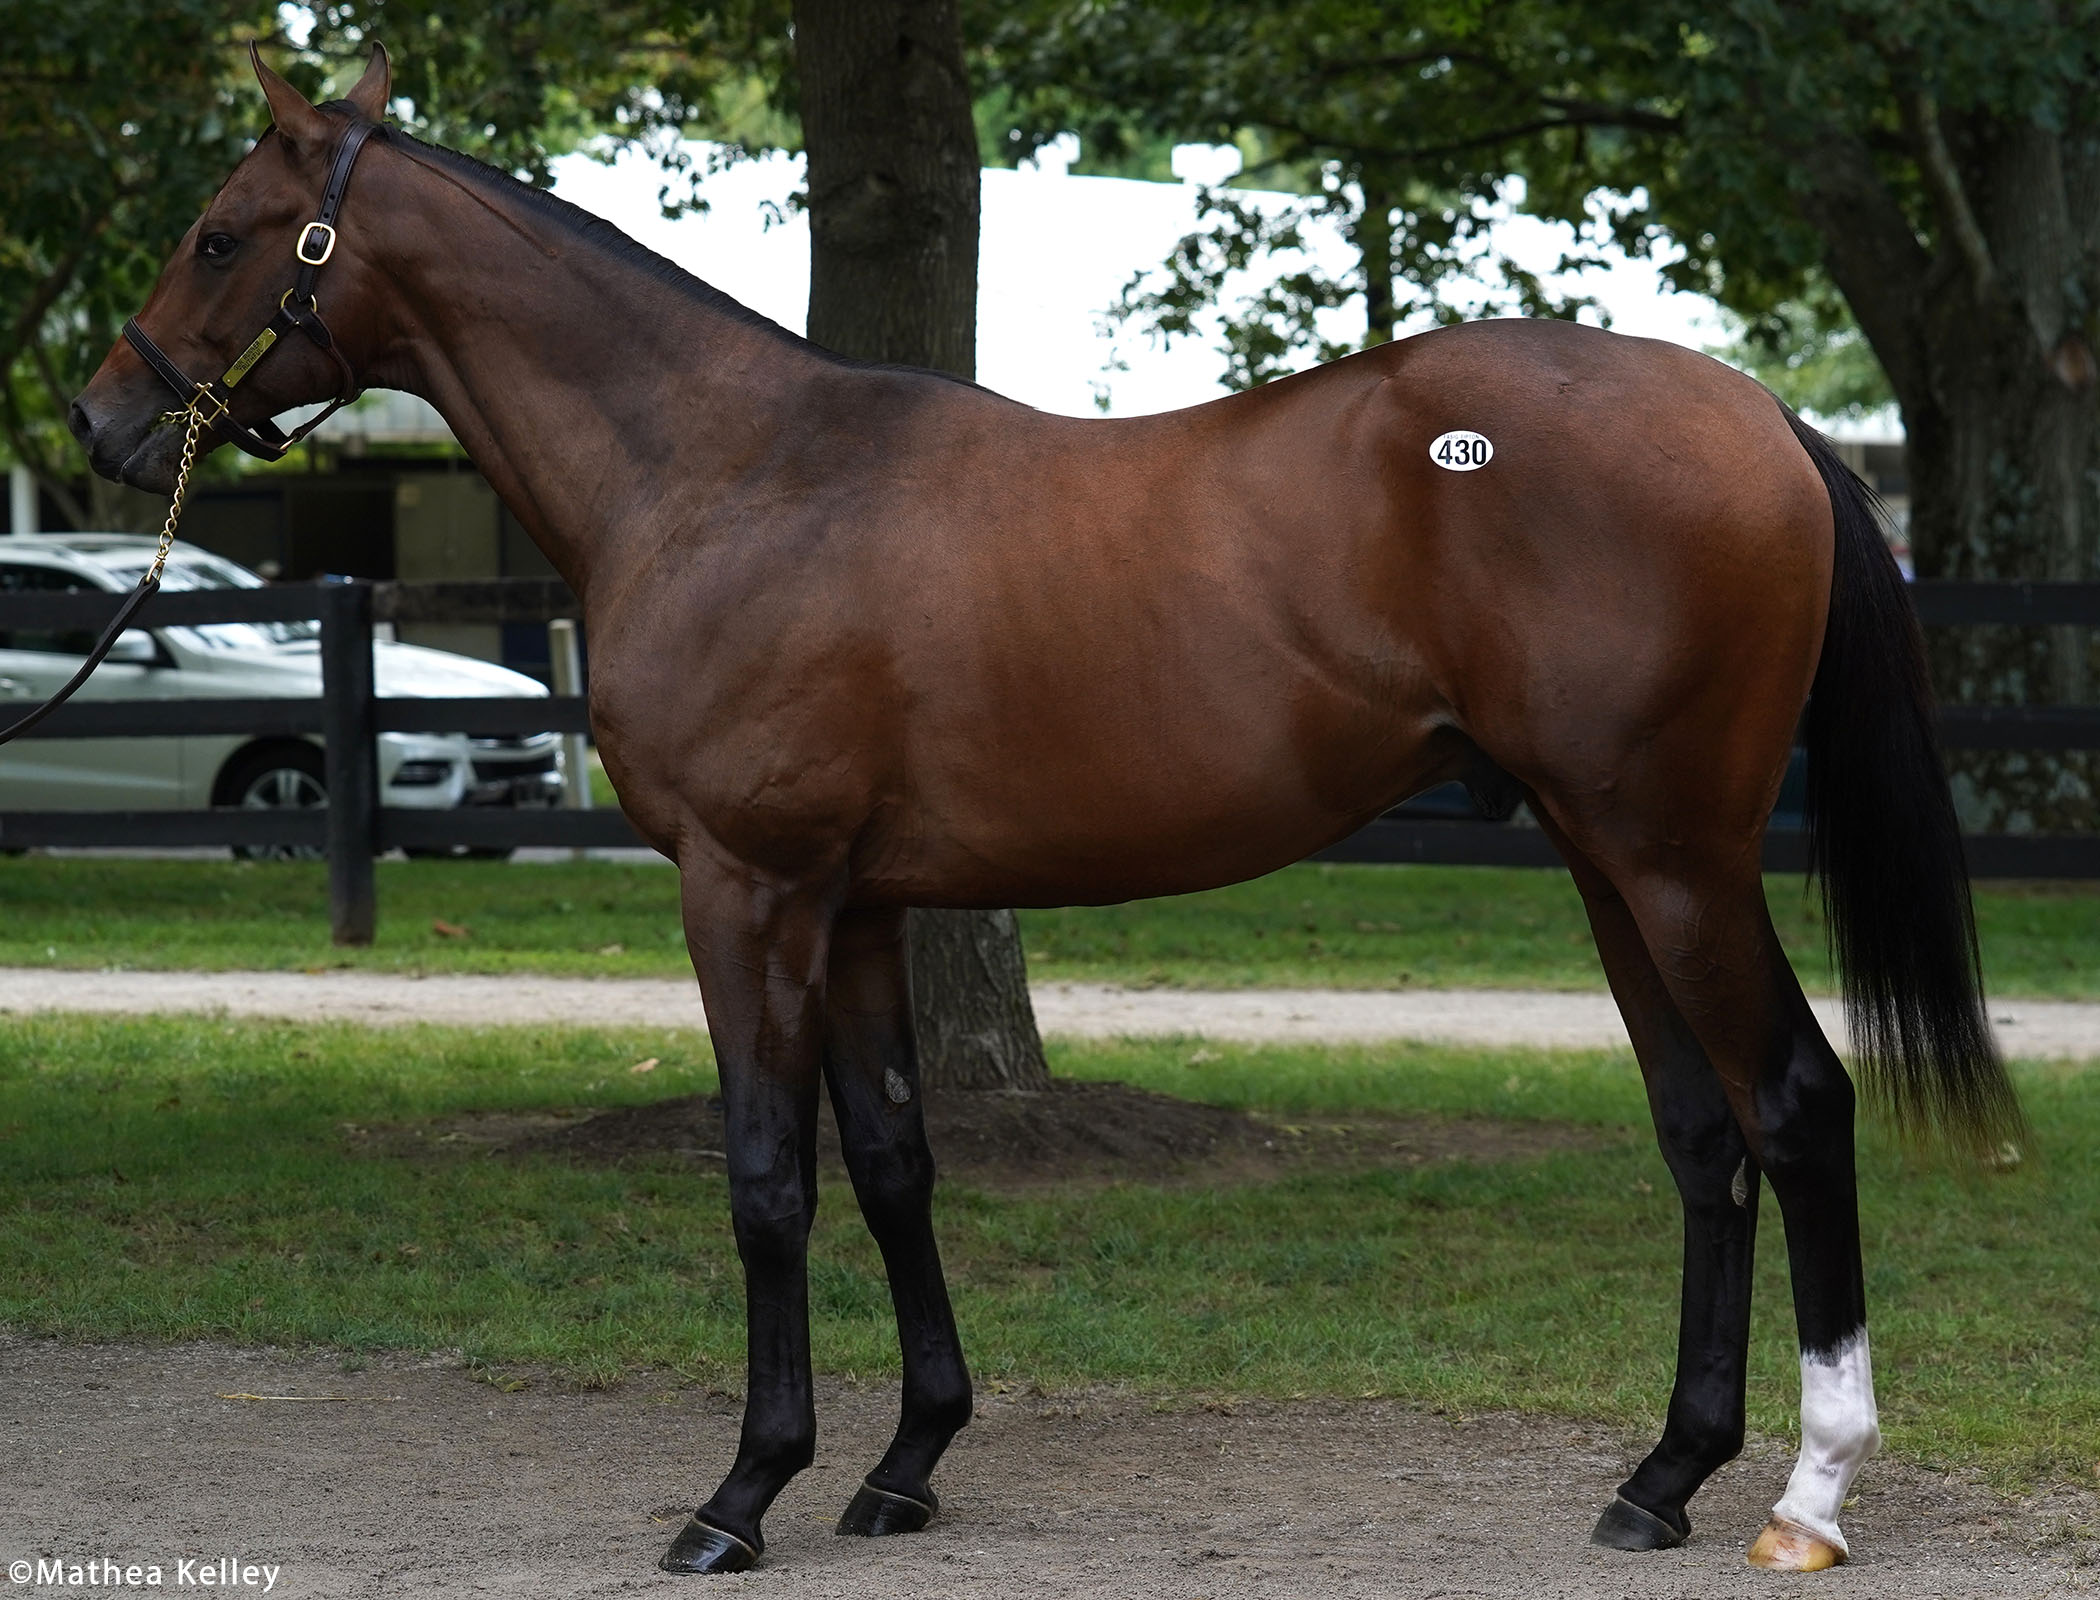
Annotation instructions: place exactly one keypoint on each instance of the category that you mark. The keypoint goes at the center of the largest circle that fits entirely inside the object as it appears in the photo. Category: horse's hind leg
(871, 1066)
(1703, 919)
(1718, 1186)
(760, 946)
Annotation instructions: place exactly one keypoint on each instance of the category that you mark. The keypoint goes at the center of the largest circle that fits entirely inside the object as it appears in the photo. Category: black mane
(595, 231)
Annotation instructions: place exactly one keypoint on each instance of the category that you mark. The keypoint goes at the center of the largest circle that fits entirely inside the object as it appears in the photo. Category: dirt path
(2053, 1028)
(426, 1482)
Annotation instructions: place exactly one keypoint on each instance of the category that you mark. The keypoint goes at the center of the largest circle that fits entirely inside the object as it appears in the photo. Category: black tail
(1883, 837)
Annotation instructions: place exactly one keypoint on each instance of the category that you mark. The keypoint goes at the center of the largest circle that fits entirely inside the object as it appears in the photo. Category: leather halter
(213, 401)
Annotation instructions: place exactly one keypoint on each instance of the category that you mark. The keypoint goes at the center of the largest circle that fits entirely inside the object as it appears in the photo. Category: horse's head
(233, 273)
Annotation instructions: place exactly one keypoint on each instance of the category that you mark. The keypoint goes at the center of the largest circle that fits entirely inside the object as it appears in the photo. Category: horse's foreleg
(1717, 1184)
(871, 1066)
(760, 948)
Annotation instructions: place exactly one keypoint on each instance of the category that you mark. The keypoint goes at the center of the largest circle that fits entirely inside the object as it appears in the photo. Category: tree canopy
(1402, 124)
(1756, 149)
(116, 120)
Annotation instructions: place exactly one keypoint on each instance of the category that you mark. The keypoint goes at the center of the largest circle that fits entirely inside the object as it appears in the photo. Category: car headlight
(420, 774)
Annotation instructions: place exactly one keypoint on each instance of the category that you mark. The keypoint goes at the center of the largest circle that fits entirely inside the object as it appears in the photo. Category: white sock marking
(1839, 1431)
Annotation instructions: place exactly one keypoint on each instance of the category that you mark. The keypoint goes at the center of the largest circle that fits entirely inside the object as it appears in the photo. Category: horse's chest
(772, 777)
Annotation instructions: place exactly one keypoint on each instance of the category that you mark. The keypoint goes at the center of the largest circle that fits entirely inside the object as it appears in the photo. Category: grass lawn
(191, 1178)
(1322, 926)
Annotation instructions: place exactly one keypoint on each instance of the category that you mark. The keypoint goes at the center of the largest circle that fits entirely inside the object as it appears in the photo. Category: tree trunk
(1372, 234)
(1987, 342)
(2005, 484)
(893, 215)
(970, 1005)
(893, 183)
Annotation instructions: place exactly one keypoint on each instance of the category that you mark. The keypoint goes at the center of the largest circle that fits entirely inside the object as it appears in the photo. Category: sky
(1055, 250)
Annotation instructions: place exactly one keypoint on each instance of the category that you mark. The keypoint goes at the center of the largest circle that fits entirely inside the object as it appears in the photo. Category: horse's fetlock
(1718, 1442)
(785, 1453)
(1859, 1439)
(949, 1413)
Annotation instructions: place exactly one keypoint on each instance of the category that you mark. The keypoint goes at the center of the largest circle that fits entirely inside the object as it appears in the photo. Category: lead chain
(182, 487)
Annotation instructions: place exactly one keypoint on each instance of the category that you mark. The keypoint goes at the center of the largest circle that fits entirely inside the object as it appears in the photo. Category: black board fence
(354, 829)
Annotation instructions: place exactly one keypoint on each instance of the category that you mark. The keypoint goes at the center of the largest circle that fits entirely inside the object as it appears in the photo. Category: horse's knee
(772, 1229)
(893, 1180)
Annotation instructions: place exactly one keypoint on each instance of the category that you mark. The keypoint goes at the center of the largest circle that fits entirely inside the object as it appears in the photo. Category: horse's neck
(596, 399)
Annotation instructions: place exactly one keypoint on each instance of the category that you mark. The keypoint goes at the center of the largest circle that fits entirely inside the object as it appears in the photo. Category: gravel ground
(2030, 1028)
(423, 1481)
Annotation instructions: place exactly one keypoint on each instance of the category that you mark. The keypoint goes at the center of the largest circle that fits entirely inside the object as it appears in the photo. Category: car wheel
(281, 778)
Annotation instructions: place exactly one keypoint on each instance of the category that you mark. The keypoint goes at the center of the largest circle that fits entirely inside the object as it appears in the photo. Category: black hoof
(1625, 1526)
(702, 1548)
(876, 1513)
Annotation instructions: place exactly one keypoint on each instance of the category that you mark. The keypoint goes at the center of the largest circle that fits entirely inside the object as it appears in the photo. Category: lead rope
(149, 581)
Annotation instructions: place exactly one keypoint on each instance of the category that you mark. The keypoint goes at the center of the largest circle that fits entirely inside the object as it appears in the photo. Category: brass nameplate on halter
(249, 357)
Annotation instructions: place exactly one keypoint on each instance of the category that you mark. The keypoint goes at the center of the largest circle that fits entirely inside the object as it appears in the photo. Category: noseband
(211, 403)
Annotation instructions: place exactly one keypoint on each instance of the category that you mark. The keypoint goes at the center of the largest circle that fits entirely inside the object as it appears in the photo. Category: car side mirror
(135, 647)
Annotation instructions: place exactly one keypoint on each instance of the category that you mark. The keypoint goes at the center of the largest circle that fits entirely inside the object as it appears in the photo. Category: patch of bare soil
(1097, 1132)
(410, 1478)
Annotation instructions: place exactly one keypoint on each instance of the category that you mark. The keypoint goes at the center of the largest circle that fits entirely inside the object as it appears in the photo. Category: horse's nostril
(77, 420)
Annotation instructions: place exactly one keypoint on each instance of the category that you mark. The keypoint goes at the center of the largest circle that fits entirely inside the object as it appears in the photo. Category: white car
(232, 660)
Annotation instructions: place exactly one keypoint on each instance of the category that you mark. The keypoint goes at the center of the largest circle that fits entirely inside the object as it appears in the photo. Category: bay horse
(868, 638)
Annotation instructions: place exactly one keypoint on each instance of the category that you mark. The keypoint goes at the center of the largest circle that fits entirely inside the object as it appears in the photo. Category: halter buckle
(306, 248)
(208, 406)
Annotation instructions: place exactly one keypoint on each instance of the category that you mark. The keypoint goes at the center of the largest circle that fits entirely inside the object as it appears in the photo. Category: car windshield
(197, 570)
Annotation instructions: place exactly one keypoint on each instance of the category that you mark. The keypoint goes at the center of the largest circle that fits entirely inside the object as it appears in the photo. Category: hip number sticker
(1461, 450)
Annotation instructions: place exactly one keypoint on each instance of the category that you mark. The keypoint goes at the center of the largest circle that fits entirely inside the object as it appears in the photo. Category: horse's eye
(217, 246)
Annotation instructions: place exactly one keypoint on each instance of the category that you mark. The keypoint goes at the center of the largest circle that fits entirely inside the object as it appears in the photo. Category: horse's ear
(375, 88)
(303, 127)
